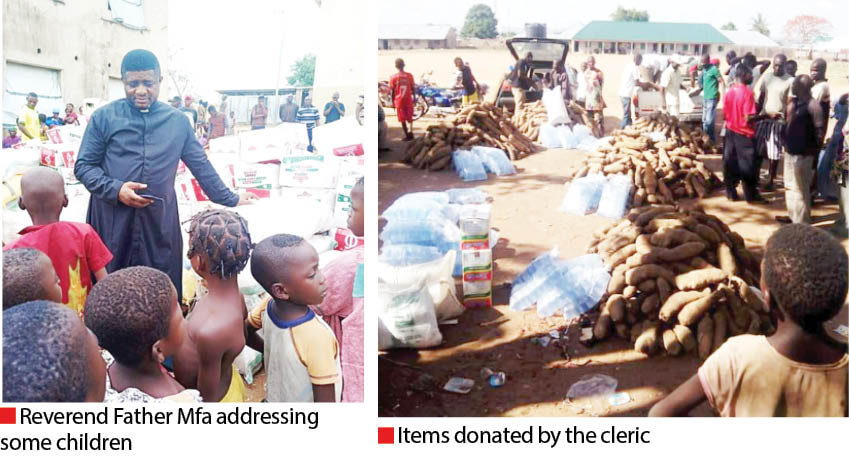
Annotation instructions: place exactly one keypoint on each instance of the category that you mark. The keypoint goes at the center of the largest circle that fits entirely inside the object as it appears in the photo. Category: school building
(625, 37)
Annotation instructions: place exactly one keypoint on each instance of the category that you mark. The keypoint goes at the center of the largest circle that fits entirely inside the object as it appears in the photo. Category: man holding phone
(131, 148)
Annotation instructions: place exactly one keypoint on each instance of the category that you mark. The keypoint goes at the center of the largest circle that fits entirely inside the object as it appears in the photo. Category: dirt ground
(525, 213)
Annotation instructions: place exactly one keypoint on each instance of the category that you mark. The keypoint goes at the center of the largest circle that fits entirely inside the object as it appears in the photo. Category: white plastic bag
(248, 363)
(468, 165)
(549, 137)
(436, 275)
(583, 195)
(567, 138)
(418, 208)
(494, 160)
(552, 99)
(408, 315)
(304, 216)
(615, 196)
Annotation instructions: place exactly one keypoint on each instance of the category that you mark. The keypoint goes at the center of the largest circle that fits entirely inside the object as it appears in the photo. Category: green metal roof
(626, 31)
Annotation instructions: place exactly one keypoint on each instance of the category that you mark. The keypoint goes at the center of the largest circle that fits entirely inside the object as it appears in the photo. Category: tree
(480, 22)
(624, 14)
(303, 71)
(807, 30)
(759, 24)
(729, 27)
(178, 77)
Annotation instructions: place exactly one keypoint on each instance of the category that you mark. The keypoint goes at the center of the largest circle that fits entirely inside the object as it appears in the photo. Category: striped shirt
(308, 115)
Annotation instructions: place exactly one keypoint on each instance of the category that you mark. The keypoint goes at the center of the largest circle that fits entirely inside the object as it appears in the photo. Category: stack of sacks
(273, 144)
(225, 144)
(310, 178)
(188, 189)
(342, 138)
(61, 149)
(349, 172)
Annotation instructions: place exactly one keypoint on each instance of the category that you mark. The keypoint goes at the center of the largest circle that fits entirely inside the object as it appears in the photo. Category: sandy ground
(524, 211)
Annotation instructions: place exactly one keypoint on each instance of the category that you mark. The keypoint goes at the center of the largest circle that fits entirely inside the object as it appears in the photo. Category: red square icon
(7, 415)
(385, 435)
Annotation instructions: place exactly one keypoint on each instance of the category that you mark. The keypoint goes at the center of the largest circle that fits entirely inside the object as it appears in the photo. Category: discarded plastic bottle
(497, 379)
(486, 373)
(493, 378)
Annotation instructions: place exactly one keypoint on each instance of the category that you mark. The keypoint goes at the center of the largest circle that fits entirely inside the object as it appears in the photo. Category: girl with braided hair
(219, 248)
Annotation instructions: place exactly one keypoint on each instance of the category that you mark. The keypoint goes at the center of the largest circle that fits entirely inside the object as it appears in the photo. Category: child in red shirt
(75, 249)
(403, 97)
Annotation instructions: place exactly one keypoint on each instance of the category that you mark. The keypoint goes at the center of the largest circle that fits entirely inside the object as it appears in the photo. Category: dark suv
(546, 53)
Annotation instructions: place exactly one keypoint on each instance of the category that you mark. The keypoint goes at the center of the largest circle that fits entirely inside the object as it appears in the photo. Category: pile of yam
(475, 125)
(662, 171)
(531, 116)
(681, 282)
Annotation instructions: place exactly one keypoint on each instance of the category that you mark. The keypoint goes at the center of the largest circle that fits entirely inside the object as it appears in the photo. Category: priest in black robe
(128, 161)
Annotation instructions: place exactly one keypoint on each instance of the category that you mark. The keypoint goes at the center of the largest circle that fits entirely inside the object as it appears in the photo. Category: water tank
(535, 30)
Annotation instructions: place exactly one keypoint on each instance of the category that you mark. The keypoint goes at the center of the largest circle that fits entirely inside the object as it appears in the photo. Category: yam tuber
(704, 335)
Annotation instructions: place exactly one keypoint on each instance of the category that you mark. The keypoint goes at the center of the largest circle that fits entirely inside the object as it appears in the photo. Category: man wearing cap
(190, 111)
(128, 161)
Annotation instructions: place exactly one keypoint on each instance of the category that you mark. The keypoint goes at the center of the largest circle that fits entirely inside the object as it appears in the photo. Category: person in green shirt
(711, 80)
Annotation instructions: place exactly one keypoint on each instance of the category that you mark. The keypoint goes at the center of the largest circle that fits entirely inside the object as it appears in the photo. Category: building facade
(68, 52)
(626, 37)
(417, 37)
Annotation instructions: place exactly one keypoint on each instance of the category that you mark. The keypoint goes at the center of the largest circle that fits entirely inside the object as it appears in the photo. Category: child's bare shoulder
(215, 322)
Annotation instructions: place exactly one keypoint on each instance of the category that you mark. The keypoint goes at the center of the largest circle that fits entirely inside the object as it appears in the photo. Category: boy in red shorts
(403, 96)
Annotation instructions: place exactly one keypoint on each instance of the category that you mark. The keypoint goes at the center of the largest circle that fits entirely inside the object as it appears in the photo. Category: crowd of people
(770, 114)
(31, 125)
(210, 122)
(92, 311)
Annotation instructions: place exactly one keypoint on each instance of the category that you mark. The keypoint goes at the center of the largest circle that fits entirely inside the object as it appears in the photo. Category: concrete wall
(451, 39)
(79, 39)
(340, 54)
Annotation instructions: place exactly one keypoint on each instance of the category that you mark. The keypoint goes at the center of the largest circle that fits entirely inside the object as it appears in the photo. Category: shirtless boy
(219, 248)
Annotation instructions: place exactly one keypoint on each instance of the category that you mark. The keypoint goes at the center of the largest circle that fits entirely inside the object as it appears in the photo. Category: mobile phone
(151, 197)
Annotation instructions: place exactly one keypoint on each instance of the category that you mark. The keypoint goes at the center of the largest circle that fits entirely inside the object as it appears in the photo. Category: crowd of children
(60, 305)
